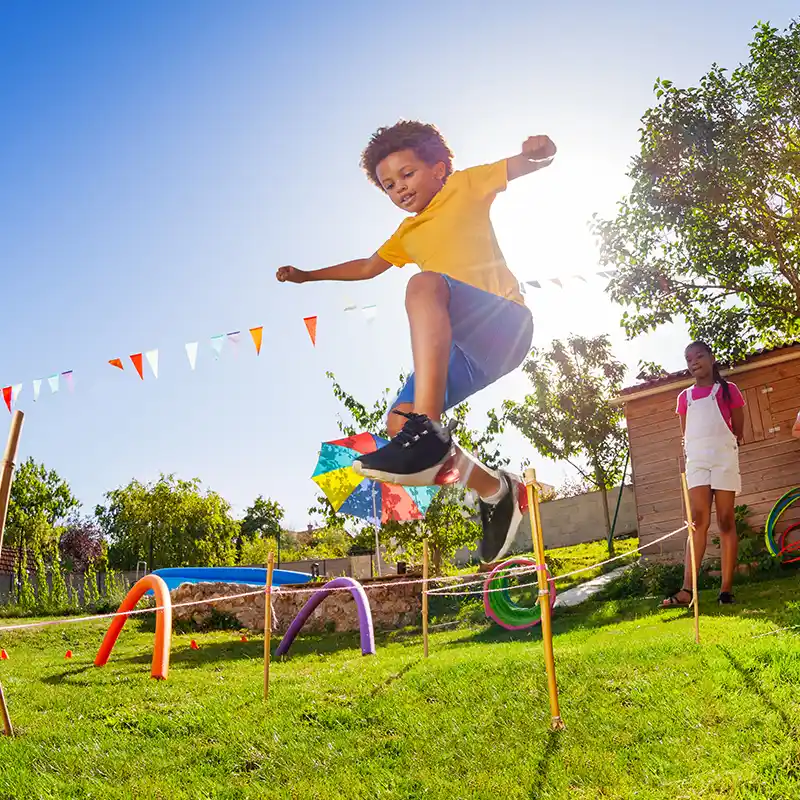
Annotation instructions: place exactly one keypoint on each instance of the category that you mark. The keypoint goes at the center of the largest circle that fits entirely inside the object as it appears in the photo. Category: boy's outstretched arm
(360, 269)
(535, 151)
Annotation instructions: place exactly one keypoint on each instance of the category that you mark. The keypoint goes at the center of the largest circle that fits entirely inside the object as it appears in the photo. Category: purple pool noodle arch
(364, 615)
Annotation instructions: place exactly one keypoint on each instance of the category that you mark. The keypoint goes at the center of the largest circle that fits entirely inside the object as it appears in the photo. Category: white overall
(712, 453)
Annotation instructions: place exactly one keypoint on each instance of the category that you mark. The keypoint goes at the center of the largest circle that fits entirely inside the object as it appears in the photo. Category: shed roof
(760, 358)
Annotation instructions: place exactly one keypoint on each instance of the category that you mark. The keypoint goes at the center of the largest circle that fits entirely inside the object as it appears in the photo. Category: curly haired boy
(469, 323)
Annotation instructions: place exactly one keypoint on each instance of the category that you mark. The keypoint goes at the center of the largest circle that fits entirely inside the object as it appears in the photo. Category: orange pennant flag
(116, 362)
(137, 362)
(8, 392)
(257, 334)
(311, 325)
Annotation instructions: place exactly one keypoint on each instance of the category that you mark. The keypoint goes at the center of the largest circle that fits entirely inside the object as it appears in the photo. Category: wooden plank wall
(769, 459)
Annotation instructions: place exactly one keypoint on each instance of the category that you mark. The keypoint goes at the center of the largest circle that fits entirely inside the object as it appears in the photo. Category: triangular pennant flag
(234, 338)
(370, 312)
(216, 343)
(522, 289)
(602, 274)
(7, 392)
(117, 362)
(37, 387)
(136, 358)
(534, 284)
(579, 278)
(191, 352)
(311, 327)
(557, 282)
(53, 381)
(257, 334)
(152, 360)
(350, 307)
(68, 378)
(15, 390)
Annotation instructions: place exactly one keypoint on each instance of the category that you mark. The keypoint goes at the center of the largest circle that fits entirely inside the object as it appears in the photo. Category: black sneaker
(726, 599)
(500, 521)
(414, 457)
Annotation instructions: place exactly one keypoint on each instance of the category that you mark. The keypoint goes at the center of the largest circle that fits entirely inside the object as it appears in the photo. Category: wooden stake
(687, 504)
(425, 598)
(268, 622)
(556, 723)
(9, 731)
(7, 468)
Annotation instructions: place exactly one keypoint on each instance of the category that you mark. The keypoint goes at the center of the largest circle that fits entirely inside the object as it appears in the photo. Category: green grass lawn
(649, 714)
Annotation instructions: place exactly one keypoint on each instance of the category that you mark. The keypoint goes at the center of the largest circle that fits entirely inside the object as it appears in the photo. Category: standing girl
(712, 422)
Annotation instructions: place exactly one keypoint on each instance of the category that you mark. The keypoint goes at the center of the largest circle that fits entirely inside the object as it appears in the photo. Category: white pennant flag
(191, 352)
(15, 390)
(152, 360)
(53, 381)
(37, 387)
(234, 338)
(217, 342)
(370, 312)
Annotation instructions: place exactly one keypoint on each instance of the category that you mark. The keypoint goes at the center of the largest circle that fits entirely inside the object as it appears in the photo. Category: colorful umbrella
(351, 494)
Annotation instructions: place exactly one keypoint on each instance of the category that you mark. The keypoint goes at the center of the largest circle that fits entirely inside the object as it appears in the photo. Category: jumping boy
(469, 323)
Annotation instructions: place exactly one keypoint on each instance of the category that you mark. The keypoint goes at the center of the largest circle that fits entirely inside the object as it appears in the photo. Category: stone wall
(394, 603)
(572, 520)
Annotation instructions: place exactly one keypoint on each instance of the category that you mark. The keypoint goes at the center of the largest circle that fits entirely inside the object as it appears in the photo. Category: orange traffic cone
(194, 645)
(244, 639)
(68, 654)
(3, 655)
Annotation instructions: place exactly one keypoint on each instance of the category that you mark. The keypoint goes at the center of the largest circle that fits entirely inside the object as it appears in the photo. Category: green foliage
(568, 416)
(168, 523)
(58, 586)
(25, 595)
(262, 520)
(752, 545)
(91, 593)
(40, 498)
(710, 231)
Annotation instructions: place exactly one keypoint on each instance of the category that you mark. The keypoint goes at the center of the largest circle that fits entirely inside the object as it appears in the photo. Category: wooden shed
(769, 458)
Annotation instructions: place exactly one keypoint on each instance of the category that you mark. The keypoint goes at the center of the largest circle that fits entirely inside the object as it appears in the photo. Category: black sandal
(673, 602)
(726, 599)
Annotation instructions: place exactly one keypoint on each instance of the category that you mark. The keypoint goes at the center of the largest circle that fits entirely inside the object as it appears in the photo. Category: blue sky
(160, 160)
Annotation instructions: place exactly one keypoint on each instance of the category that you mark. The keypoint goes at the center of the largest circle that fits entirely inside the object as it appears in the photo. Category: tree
(447, 524)
(40, 498)
(710, 231)
(168, 523)
(81, 543)
(262, 520)
(568, 417)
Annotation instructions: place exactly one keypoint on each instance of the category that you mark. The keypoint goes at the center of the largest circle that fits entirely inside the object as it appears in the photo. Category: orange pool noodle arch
(163, 624)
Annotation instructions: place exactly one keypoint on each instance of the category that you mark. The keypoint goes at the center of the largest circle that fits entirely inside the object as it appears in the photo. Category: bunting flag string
(11, 393)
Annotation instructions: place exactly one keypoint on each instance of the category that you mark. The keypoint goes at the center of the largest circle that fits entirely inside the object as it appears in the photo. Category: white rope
(445, 592)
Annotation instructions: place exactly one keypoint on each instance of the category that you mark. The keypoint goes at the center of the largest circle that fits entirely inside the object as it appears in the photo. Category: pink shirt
(725, 406)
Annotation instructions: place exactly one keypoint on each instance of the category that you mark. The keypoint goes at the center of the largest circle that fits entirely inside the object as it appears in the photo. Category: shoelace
(406, 437)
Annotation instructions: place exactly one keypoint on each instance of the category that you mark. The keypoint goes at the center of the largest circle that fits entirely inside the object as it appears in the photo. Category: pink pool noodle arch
(160, 668)
(364, 615)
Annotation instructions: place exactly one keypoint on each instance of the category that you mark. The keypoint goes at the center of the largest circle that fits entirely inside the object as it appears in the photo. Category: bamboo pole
(268, 621)
(9, 731)
(7, 468)
(425, 598)
(690, 527)
(556, 723)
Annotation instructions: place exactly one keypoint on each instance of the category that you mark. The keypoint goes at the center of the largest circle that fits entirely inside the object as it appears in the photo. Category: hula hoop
(498, 604)
(791, 547)
(784, 502)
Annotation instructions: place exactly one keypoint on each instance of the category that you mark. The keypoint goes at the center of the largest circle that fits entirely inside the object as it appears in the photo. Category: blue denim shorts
(491, 337)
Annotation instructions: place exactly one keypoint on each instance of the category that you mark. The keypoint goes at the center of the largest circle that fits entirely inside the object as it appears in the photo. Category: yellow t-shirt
(454, 236)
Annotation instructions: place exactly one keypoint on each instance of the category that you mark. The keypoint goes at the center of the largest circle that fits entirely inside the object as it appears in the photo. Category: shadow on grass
(554, 742)
(747, 678)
